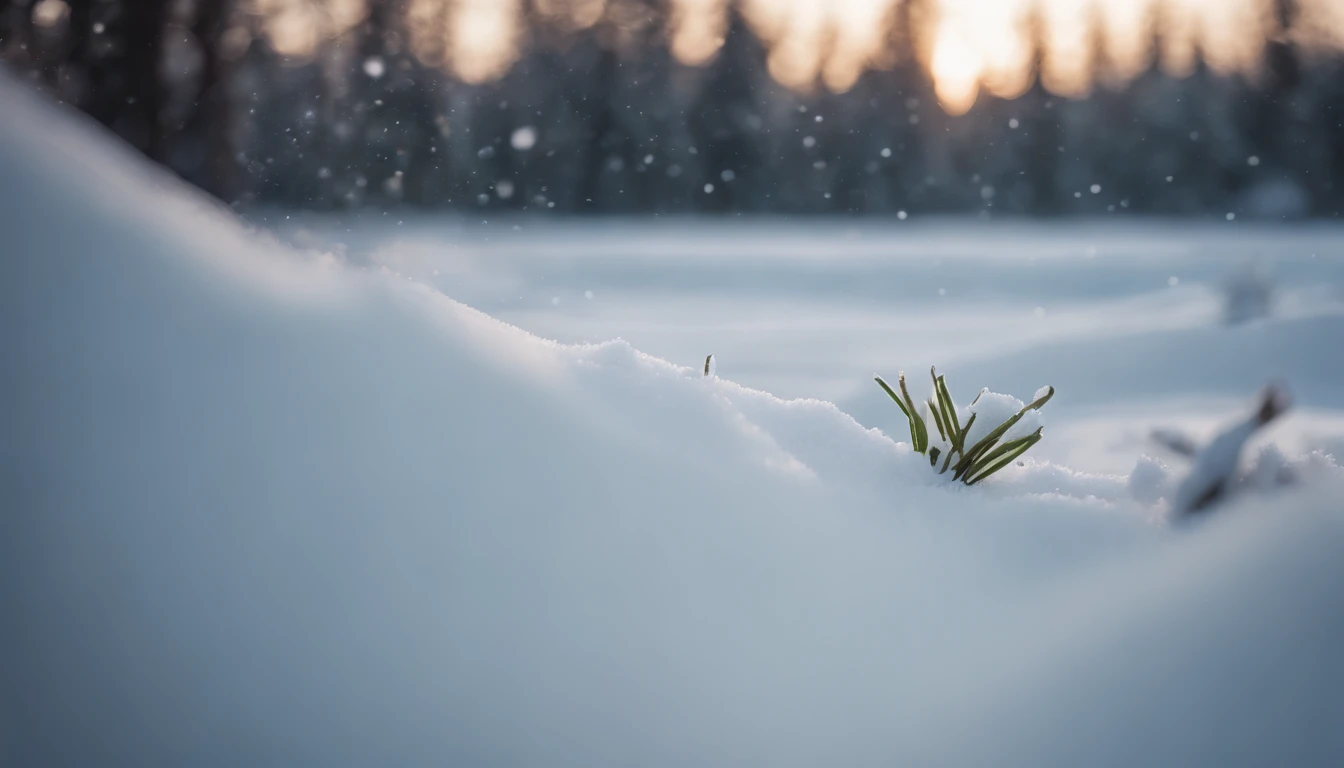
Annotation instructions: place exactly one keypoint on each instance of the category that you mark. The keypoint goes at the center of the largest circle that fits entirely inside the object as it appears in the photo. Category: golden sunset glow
(483, 41)
(956, 68)
(697, 29)
(296, 27)
(975, 44)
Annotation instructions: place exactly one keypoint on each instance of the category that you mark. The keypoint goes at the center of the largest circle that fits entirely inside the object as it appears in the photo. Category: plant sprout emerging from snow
(969, 450)
(1216, 465)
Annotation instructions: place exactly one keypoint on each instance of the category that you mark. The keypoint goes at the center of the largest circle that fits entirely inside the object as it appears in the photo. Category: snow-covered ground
(1125, 318)
(261, 505)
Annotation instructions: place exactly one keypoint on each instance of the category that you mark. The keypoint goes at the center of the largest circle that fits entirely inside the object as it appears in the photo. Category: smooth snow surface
(264, 508)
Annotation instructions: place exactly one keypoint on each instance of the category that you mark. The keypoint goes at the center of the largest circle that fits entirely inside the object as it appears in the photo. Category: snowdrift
(258, 507)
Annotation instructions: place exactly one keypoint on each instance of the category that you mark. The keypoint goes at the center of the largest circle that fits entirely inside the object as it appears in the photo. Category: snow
(1217, 465)
(992, 409)
(524, 138)
(285, 506)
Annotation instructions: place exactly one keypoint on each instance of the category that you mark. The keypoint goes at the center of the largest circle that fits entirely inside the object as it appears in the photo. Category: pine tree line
(604, 120)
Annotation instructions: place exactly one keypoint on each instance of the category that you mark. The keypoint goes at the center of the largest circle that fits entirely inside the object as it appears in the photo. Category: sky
(975, 44)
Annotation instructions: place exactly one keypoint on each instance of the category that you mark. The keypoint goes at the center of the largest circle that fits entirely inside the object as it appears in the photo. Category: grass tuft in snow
(970, 453)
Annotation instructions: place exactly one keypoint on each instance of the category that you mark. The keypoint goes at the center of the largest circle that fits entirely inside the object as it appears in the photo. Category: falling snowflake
(524, 138)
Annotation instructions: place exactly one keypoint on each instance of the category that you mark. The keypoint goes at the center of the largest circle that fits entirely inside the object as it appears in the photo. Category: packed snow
(300, 507)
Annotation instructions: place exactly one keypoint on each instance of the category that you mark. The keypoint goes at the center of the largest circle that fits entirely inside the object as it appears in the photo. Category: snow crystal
(886, 152)
(504, 188)
(709, 189)
(374, 67)
(809, 142)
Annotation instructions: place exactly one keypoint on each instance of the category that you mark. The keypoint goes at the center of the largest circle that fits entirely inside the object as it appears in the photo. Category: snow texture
(262, 507)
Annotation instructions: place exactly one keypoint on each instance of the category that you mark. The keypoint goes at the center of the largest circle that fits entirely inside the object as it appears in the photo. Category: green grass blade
(892, 394)
(946, 406)
(970, 464)
(1001, 457)
(965, 432)
(918, 437)
(1040, 402)
(957, 446)
(937, 418)
(947, 462)
(922, 429)
(987, 442)
(1004, 461)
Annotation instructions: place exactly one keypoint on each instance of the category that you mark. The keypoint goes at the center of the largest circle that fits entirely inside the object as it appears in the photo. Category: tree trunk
(210, 121)
(142, 33)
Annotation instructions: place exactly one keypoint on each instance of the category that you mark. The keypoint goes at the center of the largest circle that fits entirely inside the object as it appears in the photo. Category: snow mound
(257, 506)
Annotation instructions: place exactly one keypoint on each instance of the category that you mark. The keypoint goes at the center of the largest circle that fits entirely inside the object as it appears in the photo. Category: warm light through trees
(976, 44)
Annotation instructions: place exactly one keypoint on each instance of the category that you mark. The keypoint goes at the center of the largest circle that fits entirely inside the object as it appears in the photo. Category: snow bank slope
(259, 508)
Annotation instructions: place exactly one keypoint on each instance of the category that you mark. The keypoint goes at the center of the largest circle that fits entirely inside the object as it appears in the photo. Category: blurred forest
(603, 118)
